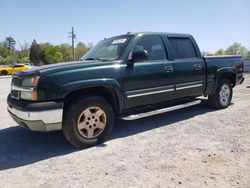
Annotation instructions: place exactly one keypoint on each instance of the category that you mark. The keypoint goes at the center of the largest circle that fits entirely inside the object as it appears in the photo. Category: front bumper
(36, 116)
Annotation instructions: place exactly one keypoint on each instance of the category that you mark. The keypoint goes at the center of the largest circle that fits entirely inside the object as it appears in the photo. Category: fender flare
(113, 84)
(222, 72)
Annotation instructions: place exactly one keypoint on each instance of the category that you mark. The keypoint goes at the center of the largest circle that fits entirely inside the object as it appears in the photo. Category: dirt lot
(193, 147)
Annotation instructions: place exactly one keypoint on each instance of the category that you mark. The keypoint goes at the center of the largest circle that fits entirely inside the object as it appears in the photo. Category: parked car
(130, 76)
(13, 68)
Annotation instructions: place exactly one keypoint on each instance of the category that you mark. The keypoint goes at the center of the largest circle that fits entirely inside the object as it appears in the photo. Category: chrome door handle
(169, 69)
(197, 67)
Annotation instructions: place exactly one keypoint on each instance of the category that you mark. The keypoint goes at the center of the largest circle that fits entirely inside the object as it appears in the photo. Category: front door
(150, 81)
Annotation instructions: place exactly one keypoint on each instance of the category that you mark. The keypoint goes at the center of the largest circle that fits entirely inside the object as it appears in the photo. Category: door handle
(197, 67)
(169, 69)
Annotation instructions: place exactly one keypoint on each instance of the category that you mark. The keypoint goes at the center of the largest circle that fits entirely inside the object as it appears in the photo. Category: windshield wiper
(92, 58)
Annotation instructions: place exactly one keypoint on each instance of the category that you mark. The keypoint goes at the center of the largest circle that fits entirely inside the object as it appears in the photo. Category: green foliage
(237, 49)
(80, 45)
(53, 55)
(6, 55)
(45, 53)
(205, 53)
(35, 53)
(220, 52)
(66, 51)
(248, 54)
(80, 50)
(9, 43)
(234, 49)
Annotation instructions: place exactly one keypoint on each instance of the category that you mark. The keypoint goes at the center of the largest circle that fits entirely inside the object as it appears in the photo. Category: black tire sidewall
(4, 72)
(72, 114)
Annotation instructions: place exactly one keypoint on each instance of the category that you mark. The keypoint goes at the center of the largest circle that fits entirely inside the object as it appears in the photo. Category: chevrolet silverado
(129, 76)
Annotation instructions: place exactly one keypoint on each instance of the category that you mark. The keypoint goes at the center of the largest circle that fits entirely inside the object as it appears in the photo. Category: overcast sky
(214, 24)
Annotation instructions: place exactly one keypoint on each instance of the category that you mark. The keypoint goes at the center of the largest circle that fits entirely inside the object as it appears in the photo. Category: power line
(73, 36)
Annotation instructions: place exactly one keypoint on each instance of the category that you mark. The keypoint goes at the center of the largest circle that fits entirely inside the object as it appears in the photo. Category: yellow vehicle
(13, 68)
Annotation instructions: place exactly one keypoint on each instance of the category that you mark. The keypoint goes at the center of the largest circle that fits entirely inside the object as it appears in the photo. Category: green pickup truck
(129, 77)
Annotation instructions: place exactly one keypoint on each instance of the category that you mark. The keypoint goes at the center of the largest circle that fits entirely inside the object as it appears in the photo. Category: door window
(154, 47)
(182, 48)
(18, 66)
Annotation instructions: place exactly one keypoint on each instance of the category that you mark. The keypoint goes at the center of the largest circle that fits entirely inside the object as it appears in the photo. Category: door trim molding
(149, 91)
(163, 89)
(188, 85)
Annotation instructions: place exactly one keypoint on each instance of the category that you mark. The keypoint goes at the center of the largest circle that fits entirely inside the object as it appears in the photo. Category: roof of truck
(155, 33)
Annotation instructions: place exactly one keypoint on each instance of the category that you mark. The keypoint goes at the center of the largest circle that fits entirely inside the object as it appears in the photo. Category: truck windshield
(108, 49)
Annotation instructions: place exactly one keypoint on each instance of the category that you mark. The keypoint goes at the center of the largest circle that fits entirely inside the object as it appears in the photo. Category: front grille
(16, 81)
(15, 94)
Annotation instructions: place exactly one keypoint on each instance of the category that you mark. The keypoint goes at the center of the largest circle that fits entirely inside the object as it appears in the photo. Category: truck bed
(218, 65)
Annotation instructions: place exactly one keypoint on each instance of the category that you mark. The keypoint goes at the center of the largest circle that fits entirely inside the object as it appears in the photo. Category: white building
(247, 65)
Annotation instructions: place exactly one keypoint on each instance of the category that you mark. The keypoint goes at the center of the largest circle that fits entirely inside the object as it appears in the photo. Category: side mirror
(138, 56)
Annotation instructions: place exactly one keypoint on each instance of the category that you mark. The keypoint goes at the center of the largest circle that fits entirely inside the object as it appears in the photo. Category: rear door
(188, 65)
(150, 81)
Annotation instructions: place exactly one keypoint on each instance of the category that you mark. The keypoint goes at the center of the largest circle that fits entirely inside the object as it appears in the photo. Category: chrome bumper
(44, 121)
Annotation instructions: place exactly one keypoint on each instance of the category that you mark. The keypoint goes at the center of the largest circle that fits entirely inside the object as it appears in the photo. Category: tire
(88, 121)
(4, 72)
(222, 96)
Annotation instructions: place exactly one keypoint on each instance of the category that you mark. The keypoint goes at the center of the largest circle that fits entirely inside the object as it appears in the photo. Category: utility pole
(73, 36)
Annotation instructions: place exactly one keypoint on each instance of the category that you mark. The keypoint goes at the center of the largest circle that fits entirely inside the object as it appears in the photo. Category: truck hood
(59, 66)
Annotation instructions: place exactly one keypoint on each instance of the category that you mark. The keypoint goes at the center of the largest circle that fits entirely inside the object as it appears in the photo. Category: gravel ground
(193, 147)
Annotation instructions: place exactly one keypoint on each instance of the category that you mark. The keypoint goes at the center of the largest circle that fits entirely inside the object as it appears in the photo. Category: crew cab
(129, 76)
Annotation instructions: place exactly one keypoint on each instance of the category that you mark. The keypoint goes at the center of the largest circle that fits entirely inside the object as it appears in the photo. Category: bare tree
(24, 50)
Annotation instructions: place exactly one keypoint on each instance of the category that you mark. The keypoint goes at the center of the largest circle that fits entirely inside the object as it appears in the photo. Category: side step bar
(160, 111)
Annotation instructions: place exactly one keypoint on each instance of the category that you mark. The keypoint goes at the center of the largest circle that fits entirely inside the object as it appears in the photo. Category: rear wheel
(223, 95)
(88, 121)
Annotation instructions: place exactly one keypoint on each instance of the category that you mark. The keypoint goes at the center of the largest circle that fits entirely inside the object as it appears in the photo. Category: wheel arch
(107, 92)
(225, 73)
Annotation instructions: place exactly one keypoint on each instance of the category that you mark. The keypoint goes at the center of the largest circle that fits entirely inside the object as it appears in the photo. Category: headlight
(28, 82)
(28, 88)
(27, 95)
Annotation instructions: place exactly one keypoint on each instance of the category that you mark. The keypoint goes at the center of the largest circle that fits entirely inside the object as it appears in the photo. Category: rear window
(182, 48)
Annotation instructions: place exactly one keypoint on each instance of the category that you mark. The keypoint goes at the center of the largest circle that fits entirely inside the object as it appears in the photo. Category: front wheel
(222, 96)
(88, 121)
(4, 72)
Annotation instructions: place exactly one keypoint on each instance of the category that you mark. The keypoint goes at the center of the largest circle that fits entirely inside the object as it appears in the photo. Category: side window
(18, 66)
(153, 45)
(182, 47)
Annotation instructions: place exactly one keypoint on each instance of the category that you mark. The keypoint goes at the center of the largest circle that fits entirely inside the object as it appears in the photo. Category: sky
(215, 24)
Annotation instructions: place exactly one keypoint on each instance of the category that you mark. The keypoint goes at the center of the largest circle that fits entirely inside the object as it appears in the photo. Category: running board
(160, 111)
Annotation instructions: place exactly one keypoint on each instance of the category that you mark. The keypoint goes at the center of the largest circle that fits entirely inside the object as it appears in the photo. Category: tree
(248, 53)
(236, 49)
(80, 50)
(53, 55)
(6, 55)
(220, 52)
(65, 49)
(35, 53)
(24, 52)
(80, 45)
(205, 53)
(10, 43)
(43, 48)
